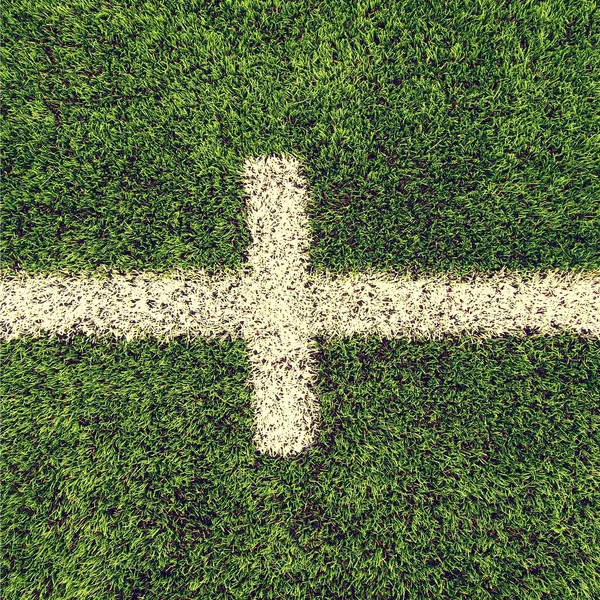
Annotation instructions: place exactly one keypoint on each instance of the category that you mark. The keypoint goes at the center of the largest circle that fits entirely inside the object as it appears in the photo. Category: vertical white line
(277, 326)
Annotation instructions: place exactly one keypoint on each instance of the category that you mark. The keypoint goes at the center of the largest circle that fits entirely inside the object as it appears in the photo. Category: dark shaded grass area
(446, 469)
(435, 137)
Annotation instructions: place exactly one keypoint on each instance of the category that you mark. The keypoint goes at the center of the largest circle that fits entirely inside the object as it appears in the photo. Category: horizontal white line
(132, 306)
(486, 305)
(193, 304)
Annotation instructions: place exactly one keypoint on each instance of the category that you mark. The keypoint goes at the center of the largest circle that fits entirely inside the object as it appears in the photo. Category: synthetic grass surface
(444, 469)
(436, 136)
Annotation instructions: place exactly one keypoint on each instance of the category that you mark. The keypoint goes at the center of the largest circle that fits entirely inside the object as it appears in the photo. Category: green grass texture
(436, 136)
(447, 469)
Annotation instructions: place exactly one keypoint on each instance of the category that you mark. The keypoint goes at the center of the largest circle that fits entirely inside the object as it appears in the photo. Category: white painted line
(131, 306)
(484, 306)
(278, 305)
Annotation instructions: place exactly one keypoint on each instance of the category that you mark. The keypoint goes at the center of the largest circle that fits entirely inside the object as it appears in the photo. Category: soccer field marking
(278, 305)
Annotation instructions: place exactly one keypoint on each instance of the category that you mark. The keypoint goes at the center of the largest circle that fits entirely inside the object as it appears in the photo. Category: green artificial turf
(449, 469)
(436, 136)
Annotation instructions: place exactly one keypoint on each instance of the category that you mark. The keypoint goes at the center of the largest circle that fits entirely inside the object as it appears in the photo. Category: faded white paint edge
(278, 306)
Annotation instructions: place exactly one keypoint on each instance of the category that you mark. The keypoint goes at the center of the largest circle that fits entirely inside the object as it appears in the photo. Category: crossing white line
(278, 305)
